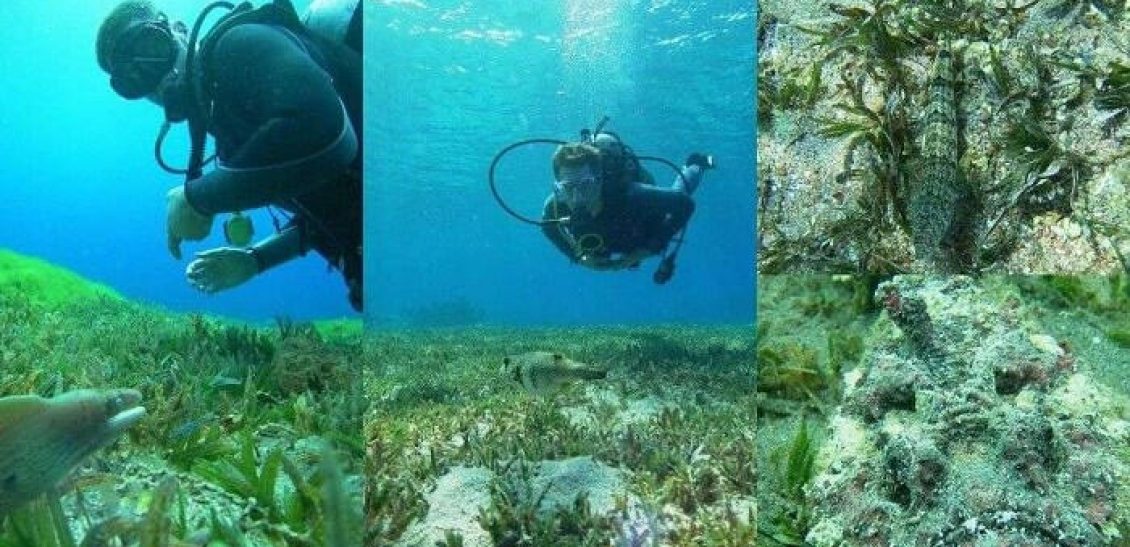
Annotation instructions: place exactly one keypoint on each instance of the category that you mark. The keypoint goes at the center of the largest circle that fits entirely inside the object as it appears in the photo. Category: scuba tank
(331, 21)
(338, 21)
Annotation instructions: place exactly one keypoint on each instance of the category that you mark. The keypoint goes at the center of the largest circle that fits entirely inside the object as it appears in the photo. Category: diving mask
(143, 56)
(578, 188)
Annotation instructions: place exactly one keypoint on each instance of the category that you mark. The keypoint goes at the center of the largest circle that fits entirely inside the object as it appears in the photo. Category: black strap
(353, 33)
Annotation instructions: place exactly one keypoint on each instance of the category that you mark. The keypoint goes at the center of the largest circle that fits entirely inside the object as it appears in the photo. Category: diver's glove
(705, 161)
(183, 222)
(221, 269)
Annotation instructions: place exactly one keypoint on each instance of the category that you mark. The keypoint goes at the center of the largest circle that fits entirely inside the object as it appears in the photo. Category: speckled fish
(941, 201)
(42, 440)
(543, 371)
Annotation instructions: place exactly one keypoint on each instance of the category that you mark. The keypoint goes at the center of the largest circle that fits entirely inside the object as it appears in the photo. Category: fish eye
(115, 404)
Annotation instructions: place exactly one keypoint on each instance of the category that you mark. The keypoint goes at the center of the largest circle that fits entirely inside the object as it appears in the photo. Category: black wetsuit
(636, 215)
(278, 98)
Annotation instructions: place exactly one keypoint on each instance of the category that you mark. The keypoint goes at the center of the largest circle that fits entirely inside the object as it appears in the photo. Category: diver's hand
(704, 161)
(183, 222)
(221, 269)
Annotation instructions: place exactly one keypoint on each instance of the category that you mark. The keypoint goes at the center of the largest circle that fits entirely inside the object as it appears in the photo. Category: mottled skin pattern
(933, 193)
(939, 200)
(544, 371)
(42, 440)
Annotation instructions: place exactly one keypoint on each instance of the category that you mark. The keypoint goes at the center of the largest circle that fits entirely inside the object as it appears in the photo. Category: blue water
(449, 83)
(80, 187)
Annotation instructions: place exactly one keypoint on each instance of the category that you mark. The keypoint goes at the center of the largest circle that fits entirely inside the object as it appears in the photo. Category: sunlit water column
(598, 57)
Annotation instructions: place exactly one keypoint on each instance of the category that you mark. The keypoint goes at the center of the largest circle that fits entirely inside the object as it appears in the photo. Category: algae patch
(661, 448)
(240, 428)
(39, 282)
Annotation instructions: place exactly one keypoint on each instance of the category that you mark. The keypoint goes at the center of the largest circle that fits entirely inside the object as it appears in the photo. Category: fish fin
(13, 409)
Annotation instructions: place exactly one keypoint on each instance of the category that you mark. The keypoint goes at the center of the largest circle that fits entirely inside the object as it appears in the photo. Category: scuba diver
(282, 98)
(606, 212)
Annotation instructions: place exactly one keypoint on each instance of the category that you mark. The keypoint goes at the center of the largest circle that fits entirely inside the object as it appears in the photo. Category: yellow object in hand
(238, 230)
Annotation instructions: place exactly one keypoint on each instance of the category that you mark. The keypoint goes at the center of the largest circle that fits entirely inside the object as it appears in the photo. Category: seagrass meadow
(250, 435)
(950, 136)
(659, 452)
(918, 410)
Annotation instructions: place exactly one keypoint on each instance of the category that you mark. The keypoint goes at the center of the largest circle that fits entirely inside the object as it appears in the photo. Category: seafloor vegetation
(251, 435)
(659, 452)
(943, 411)
(995, 130)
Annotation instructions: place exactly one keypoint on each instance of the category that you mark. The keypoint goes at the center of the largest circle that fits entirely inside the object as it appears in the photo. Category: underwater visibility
(964, 136)
(917, 410)
(164, 379)
(87, 192)
(476, 102)
(570, 436)
(561, 349)
(916, 160)
(211, 431)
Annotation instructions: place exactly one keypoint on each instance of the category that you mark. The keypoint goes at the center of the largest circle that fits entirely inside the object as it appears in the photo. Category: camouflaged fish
(544, 371)
(939, 202)
(42, 440)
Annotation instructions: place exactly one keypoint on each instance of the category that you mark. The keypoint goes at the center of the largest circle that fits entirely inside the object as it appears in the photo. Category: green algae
(1120, 336)
(675, 415)
(340, 329)
(1036, 110)
(914, 473)
(515, 515)
(1099, 301)
(813, 327)
(791, 467)
(220, 395)
(810, 331)
(791, 371)
(41, 283)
